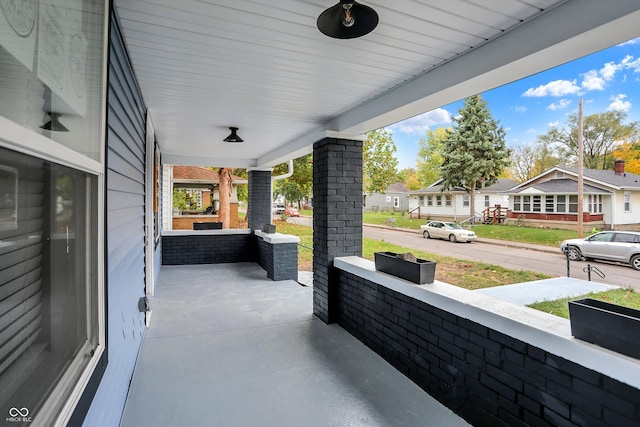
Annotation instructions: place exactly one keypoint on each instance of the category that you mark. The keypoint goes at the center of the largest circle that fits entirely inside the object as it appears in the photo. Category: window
(526, 203)
(438, 200)
(429, 200)
(421, 201)
(49, 287)
(52, 86)
(465, 200)
(627, 201)
(536, 203)
(396, 202)
(561, 204)
(573, 203)
(388, 199)
(487, 201)
(549, 203)
(447, 200)
(595, 203)
(517, 203)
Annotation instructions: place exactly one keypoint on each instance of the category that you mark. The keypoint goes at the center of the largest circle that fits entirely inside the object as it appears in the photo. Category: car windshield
(452, 225)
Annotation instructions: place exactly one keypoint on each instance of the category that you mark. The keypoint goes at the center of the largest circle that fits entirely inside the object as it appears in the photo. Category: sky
(606, 80)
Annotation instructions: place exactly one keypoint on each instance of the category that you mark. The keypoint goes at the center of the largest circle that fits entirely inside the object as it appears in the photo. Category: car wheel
(426, 235)
(574, 254)
(635, 262)
(452, 238)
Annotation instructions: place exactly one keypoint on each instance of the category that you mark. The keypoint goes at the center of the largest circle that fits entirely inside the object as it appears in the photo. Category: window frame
(62, 399)
(626, 197)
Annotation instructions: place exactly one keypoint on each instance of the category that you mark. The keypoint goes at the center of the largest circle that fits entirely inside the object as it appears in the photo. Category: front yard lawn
(560, 307)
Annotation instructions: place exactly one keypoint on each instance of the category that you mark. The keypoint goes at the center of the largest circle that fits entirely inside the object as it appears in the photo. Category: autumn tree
(602, 133)
(430, 156)
(410, 178)
(474, 153)
(380, 167)
(630, 153)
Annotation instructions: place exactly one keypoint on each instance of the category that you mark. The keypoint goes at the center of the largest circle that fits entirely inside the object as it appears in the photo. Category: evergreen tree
(474, 153)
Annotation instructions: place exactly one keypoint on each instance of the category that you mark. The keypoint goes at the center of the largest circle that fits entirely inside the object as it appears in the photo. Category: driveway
(552, 263)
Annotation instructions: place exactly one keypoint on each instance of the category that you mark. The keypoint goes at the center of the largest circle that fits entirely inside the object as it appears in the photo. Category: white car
(448, 231)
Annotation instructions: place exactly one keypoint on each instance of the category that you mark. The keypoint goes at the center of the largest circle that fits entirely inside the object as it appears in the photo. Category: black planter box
(421, 271)
(607, 325)
(268, 228)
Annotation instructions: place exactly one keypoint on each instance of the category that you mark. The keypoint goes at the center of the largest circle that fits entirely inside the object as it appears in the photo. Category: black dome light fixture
(347, 20)
(233, 137)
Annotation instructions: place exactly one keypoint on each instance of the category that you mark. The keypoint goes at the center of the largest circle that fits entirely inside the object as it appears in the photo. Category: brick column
(337, 215)
(259, 198)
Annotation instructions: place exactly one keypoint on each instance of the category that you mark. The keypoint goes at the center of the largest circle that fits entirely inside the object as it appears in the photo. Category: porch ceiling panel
(264, 67)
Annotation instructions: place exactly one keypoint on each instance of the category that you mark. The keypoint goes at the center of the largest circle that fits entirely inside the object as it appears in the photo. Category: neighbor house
(96, 96)
(453, 204)
(201, 189)
(395, 198)
(611, 199)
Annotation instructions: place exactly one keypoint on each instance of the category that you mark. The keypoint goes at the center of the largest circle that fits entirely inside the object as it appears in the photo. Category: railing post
(568, 264)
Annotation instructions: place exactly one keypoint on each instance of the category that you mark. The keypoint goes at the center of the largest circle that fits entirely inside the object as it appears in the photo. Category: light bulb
(347, 17)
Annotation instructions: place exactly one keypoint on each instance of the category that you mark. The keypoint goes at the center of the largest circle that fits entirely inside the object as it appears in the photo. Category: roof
(398, 187)
(596, 177)
(501, 186)
(198, 173)
(562, 186)
(264, 67)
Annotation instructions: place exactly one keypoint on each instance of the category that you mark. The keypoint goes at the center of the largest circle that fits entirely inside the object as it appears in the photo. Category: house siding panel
(125, 279)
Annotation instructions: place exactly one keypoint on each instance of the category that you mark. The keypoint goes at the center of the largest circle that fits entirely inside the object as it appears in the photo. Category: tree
(430, 156)
(630, 153)
(474, 152)
(380, 167)
(300, 184)
(602, 133)
(531, 159)
(410, 178)
(226, 187)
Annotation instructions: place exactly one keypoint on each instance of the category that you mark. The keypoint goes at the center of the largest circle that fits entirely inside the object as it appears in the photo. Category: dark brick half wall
(208, 249)
(485, 376)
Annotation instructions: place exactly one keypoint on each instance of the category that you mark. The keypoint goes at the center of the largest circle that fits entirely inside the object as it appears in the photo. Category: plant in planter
(608, 325)
(406, 266)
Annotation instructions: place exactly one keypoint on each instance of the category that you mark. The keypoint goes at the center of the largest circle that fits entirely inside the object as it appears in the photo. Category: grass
(465, 274)
(560, 307)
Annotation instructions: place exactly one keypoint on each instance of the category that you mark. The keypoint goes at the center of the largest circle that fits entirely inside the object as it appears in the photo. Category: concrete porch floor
(229, 347)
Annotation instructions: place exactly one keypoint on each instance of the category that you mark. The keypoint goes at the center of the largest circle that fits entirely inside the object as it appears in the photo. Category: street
(553, 264)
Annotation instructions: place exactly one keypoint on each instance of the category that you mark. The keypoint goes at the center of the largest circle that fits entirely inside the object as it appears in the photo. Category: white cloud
(619, 104)
(520, 109)
(560, 105)
(553, 124)
(592, 81)
(554, 88)
(422, 123)
(608, 70)
(632, 41)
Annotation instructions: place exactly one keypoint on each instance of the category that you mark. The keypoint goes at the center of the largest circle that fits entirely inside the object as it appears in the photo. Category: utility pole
(580, 171)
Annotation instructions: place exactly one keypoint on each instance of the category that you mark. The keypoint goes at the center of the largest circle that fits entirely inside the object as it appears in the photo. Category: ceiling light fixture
(347, 20)
(233, 137)
(54, 124)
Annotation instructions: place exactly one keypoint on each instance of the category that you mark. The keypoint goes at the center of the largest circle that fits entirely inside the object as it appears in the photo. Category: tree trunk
(225, 197)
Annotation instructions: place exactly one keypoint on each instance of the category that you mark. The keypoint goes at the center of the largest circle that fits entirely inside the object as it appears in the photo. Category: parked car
(291, 211)
(622, 246)
(278, 208)
(447, 230)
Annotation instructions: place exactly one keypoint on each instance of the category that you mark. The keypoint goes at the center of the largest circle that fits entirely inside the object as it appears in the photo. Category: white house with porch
(611, 199)
(454, 204)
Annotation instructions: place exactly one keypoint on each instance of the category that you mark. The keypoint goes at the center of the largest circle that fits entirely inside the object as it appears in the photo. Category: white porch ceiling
(264, 67)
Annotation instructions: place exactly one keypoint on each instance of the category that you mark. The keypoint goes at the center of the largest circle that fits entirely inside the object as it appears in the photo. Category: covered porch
(228, 346)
